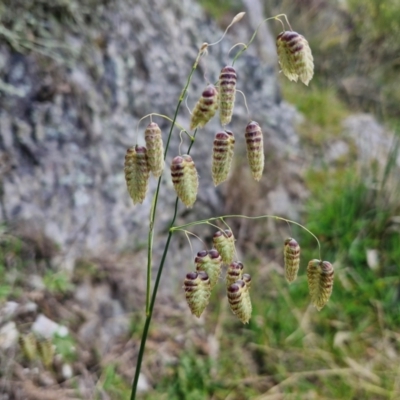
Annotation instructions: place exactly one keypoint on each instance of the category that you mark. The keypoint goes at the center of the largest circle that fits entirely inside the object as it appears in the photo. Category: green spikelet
(255, 149)
(224, 242)
(246, 278)
(239, 300)
(211, 263)
(197, 291)
(227, 92)
(137, 173)
(233, 273)
(291, 255)
(205, 108)
(294, 55)
(185, 179)
(155, 149)
(28, 346)
(46, 352)
(320, 282)
(224, 144)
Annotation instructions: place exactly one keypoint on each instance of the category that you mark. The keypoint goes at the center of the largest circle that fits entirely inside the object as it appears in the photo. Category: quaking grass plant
(296, 61)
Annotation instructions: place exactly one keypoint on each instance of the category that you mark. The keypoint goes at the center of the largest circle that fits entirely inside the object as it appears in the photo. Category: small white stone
(373, 259)
(8, 335)
(47, 328)
(66, 371)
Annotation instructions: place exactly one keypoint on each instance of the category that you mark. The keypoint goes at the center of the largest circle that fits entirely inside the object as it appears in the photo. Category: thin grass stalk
(154, 295)
(150, 304)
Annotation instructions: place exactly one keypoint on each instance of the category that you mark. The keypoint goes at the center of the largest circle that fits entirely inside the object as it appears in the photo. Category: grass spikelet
(205, 108)
(227, 92)
(224, 144)
(224, 242)
(46, 352)
(295, 57)
(137, 173)
(197, 291)
(291, 256)
(255, 149)
(211, 263)
(185, 179)
(320, 282)
(239, 300)
(28, 346)
(233, 273)
(155, 149)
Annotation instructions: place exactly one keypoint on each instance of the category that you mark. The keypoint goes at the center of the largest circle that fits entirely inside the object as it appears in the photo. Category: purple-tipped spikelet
(205, 108)
(211, 263)
(197, 291)
(246, 278)
(239, 300)
(255, 149)
(320, 282)
(227, 91)
(294, 55)
(185, 179)
(233, 273)
(155, 149)
(224, 143)
(137, 173)
(224, 242)
(291, 255)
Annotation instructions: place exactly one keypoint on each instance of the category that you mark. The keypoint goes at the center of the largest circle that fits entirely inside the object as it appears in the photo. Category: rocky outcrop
(68, 113)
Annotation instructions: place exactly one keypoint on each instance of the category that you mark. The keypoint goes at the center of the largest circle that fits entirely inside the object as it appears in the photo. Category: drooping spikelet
(46, 352)
(155, 149)
(205, 108)
(28, 345)
(224, 242)
(255, 149)
(294, 55)
(211, 263)
(224, 143)
(246, 278)
(227, 91)
(137, 173)
(185, 179)
(320, 282)
(239, 300)
(291, 255)
(197, 291)
(233, 273)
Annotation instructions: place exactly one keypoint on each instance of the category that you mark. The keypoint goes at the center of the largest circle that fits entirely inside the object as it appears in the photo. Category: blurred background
(75, 79)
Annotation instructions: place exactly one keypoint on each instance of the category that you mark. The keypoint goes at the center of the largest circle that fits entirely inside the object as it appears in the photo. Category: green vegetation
(57, 282)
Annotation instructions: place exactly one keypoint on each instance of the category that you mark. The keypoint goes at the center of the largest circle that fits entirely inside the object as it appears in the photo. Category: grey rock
(64, 131)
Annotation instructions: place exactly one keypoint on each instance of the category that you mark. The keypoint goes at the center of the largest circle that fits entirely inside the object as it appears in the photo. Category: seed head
(255, 149)
(227, 92)
(185, 179)
(294, 55)
(291, 255)
(46, 351)
(233, 273)
(224, 144)
(239, 300)
(211, 263)
(197, 291)
(205, 108)
(155, 149)
(137, 173)
(320, 282)
(28, 345)
(224, 242)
